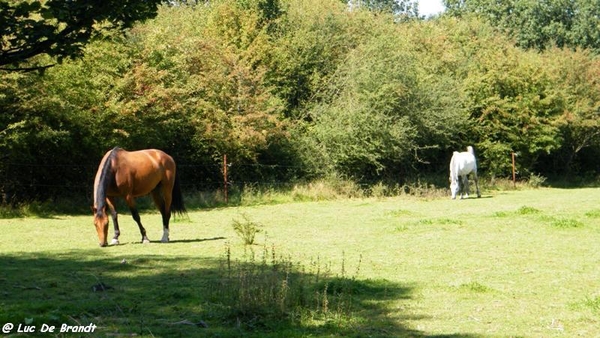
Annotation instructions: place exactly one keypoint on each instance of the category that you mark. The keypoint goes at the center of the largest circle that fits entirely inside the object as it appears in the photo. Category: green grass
(511, 264)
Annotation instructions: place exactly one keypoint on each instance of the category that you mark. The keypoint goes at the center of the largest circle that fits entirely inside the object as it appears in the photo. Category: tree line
(307, 89)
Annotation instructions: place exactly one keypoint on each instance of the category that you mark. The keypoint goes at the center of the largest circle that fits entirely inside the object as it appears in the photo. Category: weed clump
(270, 290)
(246, 229)
(567, 223)
(525, 210)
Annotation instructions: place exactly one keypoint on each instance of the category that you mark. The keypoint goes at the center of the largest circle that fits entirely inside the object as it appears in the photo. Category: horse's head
(101, 223)
(454, 187)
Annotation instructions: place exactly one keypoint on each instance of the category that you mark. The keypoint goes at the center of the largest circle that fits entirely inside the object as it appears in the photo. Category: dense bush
(294, 90)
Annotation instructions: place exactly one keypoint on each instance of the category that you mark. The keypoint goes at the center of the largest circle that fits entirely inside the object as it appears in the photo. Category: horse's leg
(113, 213)
(136, 217)
(465, 187)
(167, 190)
(160, 203)
(476, 183)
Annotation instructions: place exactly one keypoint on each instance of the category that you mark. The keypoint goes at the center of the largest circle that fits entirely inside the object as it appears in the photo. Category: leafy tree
(312, 38)
(316, 86)
(539, 24)
(576, 76)
(514, 106)
(381, 111)
(62, 28)
(39, 133)
(400, 8)
(212, 80)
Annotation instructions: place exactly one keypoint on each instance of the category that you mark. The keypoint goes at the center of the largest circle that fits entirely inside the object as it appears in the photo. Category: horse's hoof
(114, 241)
(146, 241)
(165, 240)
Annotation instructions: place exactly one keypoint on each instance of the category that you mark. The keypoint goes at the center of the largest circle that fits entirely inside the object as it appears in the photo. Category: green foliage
(246, 229)
(380, 111)
(61, 29)
(402, 9)
(536, 181)
(299, 90)
(539, 24)
(515, 106)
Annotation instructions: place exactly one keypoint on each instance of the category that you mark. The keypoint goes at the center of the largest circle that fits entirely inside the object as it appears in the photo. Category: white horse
(461, 165)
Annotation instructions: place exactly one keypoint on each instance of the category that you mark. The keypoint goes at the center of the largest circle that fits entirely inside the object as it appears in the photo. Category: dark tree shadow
(195, 297)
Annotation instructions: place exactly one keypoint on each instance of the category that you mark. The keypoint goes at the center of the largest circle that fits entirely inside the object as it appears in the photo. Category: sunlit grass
(512, 263)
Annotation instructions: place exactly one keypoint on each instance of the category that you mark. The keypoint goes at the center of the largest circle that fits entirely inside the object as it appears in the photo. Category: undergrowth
(332, 188)
(266, 290)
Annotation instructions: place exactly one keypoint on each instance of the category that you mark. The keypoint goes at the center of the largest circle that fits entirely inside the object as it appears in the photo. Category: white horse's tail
(470, 150)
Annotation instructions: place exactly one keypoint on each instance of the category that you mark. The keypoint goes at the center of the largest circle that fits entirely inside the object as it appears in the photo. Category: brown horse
(133, 174)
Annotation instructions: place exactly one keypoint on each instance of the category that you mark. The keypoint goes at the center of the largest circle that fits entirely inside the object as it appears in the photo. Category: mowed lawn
(512, 263)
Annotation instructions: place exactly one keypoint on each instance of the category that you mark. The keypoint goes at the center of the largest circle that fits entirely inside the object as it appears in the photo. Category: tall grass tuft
(246, 229)
(536, 181)
(265, 289)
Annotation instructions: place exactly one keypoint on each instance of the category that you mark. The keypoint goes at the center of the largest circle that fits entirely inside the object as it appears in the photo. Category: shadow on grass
(178, 296)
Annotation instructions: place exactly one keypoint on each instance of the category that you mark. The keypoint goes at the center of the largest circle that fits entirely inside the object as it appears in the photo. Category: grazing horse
(133, 174)
(461, 165)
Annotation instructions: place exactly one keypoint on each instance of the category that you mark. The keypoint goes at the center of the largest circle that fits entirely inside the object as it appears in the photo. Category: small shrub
(380, 190)
(246, 229)
(536, 181)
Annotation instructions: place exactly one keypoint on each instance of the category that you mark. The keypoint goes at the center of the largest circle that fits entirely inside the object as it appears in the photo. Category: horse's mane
(106, 177)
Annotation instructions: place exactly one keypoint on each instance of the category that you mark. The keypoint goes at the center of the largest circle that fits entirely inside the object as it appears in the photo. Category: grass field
(510, 264)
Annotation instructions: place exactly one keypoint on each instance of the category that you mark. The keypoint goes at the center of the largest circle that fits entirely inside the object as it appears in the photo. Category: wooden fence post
(225, 182)
(514, 170)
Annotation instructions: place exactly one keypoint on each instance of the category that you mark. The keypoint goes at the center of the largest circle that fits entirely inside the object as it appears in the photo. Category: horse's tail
(177, 197)
(471, 150)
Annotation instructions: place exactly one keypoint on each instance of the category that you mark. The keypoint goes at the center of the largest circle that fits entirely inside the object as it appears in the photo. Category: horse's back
(463, 163)
(147, 159)
(142, 170)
